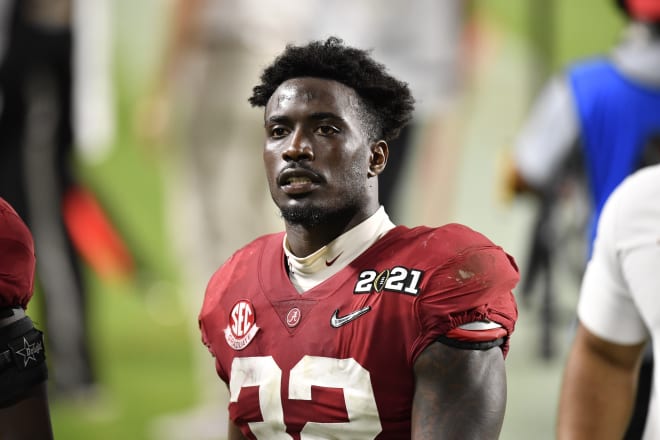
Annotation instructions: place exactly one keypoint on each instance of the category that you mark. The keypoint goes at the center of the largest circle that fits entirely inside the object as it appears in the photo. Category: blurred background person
(618, 314)
(590, 128)
(57, 109)
(24, 410)
(36, 171)
(601, 110)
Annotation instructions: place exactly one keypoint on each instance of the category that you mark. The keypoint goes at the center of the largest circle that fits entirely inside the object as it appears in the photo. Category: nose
(299, 148)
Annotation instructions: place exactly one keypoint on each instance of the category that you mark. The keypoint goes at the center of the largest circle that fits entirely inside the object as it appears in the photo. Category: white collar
(307, 272)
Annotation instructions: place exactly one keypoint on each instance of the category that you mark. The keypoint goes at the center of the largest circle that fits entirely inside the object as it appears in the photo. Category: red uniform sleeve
(17, 260)
(474, 285)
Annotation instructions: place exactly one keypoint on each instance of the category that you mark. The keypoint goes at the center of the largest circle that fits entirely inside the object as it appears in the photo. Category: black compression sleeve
(468, 345)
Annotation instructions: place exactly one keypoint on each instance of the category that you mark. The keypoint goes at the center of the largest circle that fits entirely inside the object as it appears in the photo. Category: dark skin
(29, 418)
(318, 157)
(588, 408)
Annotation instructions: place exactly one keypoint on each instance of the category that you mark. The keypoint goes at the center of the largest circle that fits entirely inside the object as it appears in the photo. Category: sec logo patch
(242, 325)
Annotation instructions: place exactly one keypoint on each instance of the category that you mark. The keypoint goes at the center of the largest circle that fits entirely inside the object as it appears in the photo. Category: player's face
(317, 154)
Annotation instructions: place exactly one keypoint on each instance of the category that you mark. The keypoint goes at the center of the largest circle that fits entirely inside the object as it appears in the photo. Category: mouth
(296, 181)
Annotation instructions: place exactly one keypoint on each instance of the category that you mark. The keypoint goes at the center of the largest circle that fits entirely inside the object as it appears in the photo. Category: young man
(345, 325)
(24, 412)
(619, 315)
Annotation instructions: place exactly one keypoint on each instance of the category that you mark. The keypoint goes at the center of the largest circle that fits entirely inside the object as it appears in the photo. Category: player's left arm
(460, 378)
(459, 393)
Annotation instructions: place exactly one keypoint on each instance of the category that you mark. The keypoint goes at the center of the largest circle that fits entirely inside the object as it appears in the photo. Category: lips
(298, 180)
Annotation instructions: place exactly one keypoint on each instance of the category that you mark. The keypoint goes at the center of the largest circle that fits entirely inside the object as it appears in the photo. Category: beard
(308, 217)
(313, 216)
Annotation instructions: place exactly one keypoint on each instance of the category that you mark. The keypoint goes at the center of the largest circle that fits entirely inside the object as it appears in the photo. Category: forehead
(319, 93)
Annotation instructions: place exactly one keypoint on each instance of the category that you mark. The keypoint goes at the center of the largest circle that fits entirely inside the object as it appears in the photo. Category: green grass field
(140, 338)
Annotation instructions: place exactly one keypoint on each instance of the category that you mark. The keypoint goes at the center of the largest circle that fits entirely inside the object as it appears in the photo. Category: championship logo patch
(397, 279)
(242, 325)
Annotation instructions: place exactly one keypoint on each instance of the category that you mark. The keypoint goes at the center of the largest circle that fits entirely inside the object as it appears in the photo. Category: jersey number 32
(346, 374)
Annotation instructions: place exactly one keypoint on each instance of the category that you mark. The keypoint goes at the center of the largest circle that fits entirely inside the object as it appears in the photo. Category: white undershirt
(310, 271)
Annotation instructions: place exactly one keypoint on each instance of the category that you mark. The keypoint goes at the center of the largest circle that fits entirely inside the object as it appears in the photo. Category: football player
(24, 413)
(345, 325)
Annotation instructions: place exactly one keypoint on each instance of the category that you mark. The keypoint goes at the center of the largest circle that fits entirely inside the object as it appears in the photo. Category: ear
(380, 151)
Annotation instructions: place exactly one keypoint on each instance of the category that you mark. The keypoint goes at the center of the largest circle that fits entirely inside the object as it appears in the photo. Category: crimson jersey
(16, 259)
(337, 361)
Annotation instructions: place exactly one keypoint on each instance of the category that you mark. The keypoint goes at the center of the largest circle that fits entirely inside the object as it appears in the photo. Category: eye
(327, 130)
(278, 132)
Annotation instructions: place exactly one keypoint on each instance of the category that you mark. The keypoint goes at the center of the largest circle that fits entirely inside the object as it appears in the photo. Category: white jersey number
(346, 374)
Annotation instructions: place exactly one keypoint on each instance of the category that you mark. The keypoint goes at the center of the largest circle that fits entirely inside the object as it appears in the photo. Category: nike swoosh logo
(337, 321)
(331, 262)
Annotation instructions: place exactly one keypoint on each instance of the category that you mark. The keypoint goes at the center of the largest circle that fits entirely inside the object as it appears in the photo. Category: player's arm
(459, 393)
(29, 418)
(598, 388)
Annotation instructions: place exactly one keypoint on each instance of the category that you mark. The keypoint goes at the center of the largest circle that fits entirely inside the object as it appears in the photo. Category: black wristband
(22, 360)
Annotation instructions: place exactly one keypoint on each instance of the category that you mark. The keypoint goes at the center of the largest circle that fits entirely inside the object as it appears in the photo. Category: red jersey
(16, 259)
(337, 361)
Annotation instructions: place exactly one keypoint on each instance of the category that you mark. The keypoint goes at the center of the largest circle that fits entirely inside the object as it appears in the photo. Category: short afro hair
(388, 101)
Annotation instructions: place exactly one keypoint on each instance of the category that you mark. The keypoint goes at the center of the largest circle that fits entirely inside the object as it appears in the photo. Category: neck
(304, 240)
